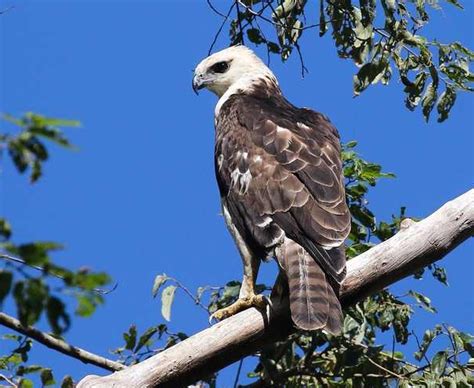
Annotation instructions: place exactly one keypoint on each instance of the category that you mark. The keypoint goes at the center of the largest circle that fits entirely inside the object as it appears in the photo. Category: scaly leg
(247, 296)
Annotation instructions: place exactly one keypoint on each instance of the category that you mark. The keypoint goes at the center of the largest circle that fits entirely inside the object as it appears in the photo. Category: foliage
(21, 374)
(378, 36)
(356, 358)
(139, 347)
(37, 286)
(27, 148)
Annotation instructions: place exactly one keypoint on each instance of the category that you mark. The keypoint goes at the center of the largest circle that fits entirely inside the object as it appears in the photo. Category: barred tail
(313, 302)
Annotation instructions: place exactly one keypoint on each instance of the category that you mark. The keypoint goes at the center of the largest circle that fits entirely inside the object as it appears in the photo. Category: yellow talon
(258, 301)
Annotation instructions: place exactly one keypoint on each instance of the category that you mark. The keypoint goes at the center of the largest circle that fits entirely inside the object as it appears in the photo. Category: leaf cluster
(15, 365)
(26, 146)
(39, 287)
(137, 347)
(380, 37)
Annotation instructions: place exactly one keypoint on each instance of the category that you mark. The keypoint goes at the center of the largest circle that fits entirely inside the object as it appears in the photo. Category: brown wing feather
(280, 175)
(293, 157)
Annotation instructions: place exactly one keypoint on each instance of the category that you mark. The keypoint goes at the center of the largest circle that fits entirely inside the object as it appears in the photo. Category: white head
(236, 67)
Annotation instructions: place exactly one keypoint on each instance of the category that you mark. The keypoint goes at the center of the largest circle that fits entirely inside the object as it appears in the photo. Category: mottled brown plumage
(280, 177)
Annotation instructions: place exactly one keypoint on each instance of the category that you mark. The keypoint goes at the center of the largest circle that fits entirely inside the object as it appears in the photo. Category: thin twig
(453, 343)
(274, 23)
(419, 348)
(239, 22)
(49, 272)
(220, 29)
(237, 376)
(214, 9)
(421, 368)
(190, 294)
(385, 369)
(304, 70)
(393, 350)
(387, 36)
(59, 345)
(2, 376)
(263, 35)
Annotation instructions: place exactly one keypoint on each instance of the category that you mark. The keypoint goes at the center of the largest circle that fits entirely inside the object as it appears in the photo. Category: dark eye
(220, 67)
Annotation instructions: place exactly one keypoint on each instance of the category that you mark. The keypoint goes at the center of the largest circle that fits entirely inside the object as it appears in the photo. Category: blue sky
(139, 198)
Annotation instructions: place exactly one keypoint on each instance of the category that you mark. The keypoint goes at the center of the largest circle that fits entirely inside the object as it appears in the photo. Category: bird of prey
(279, 173)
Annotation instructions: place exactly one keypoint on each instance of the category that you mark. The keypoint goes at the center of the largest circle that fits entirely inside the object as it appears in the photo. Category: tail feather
(313, 302)
(335, 317)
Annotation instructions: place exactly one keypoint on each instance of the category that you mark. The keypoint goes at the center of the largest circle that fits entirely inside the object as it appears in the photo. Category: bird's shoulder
(259, 111)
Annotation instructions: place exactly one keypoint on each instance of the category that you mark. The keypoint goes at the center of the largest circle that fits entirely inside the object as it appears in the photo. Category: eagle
(279, 172)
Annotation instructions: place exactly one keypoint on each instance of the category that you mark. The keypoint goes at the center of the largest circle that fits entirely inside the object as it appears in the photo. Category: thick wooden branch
(59, 345)
(414, 247)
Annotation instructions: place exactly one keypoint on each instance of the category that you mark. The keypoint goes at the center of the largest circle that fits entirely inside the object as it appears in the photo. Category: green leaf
(273, 47)
(36, 253)
(285, 8)
(23, 349)
(428, 338)
(167, 298)
(231, 290)
(428, 101)
(158, 282)
(89, 281)
(363, 215)
(30, 297)
(25, 383)
(6, 279)
(322, 19)
(438, 363)
(368, 74)
(143, 340)
(439, 273)
(67, 382)
(130, 337)
(446, 102)
(85, 307)
(5, 229)
(23, 370)
(296, 31)
(47, 377)
(414, 89)
(467, 341)
(39, 120)
(423, 300)
(350, 144)
(57, 315)
(52, 134)
(255, 36)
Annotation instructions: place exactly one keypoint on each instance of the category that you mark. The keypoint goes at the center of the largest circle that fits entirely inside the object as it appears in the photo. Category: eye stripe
(220, 67)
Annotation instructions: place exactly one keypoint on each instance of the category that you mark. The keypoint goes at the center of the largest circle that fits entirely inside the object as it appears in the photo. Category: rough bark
(415, 246)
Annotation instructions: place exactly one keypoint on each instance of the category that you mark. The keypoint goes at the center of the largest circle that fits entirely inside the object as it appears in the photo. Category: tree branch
(60, 345)
(414, 247)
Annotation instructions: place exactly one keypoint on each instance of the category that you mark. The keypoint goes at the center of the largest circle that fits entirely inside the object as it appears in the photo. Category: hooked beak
(199, 82)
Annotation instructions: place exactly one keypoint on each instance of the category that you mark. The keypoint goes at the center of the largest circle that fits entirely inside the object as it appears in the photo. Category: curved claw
(261, 302)
(221, 314)
(268, 301)
(211, 318)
